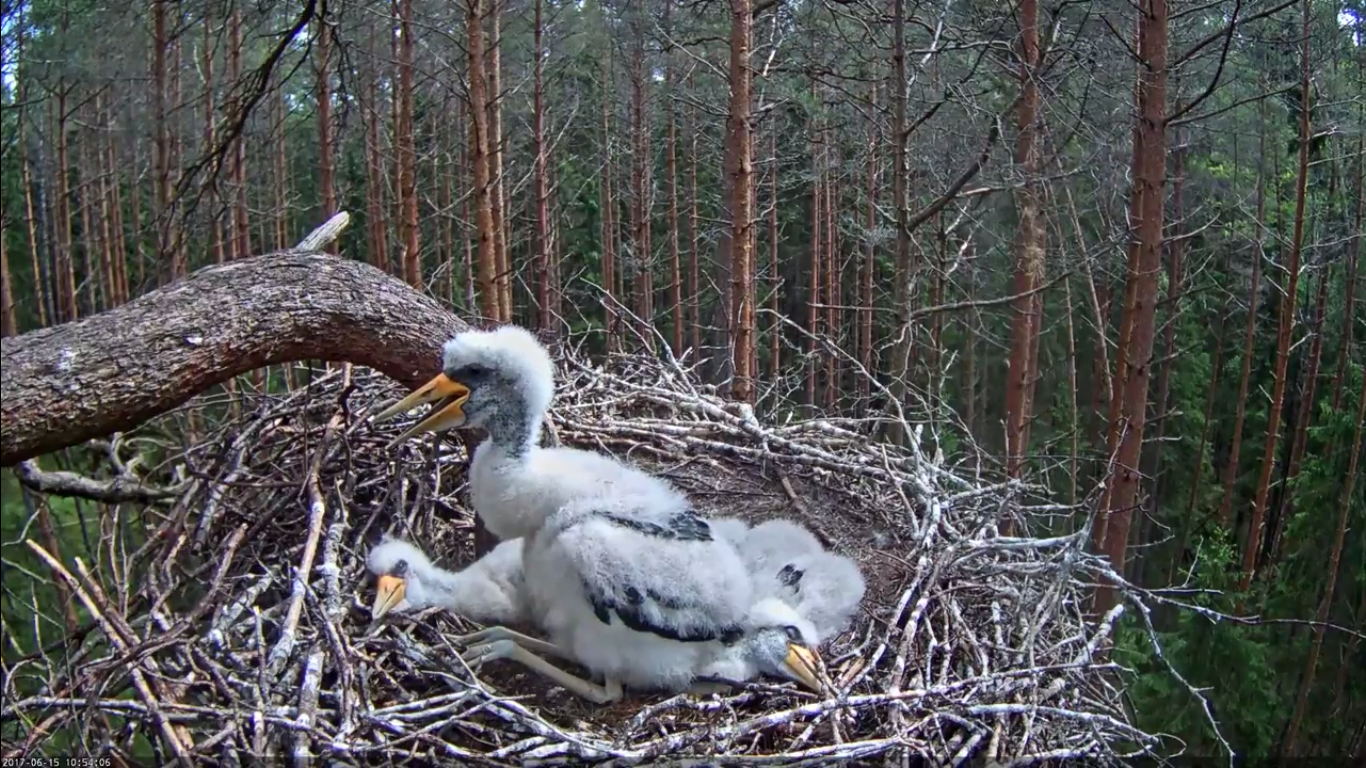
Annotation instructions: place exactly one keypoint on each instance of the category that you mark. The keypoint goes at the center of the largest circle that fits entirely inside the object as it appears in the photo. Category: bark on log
(64, 385)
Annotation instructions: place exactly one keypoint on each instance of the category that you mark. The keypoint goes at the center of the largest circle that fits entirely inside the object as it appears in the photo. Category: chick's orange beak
(803, 664)
(388, 593)
(448, 413)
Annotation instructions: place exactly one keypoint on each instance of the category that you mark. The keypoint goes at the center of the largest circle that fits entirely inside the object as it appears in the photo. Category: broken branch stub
(64, 385)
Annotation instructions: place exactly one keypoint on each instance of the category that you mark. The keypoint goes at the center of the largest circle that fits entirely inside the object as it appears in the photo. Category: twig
(317, 509)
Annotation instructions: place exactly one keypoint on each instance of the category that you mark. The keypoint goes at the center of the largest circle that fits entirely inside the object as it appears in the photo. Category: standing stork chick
(503, 380)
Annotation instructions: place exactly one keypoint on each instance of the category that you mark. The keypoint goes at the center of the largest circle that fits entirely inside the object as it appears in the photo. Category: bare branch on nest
(112, 491)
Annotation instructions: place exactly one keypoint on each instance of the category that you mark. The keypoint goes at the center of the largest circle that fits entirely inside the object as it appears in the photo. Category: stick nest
(238, 626)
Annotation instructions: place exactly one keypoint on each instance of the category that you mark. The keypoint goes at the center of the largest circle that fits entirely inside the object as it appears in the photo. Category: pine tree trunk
(640, 204)
(544, 319)
(466, 176)
(65, 272)
(1164, 375)
(281, 172)
(671, 161)
(241, 231)
(9, 322)
(1330, 578)
(903, 270)
(553, 250)
(738, 164)
(775, 282)
(176, 224)
(42, 297)
(1130, 401)
(970, 374)
(498, 194)
(161, 158)
(694, 256)
(326, 151)
(374, 165)
(395, 170)
(814, 315)
(106, 212)
(833, 326)
(447, 135)
(1252, 546)
(405, 139)
(609, 210)
(936, 351)
(489, 295)
(866, 275)
(116, 206)
(87, 178)
(1073, 410)
(139, 253)
(1249, 337)
(1029, 257)
(213, 204)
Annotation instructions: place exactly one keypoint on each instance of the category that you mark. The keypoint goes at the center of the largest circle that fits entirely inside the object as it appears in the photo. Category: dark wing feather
(661, 592)
(653, 613)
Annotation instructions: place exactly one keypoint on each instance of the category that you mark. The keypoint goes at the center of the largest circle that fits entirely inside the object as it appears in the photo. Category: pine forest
(1101, 259)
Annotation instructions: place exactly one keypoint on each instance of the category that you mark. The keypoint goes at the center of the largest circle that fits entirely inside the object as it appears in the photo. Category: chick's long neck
(513, 429)
(733, 663)
(468, 592)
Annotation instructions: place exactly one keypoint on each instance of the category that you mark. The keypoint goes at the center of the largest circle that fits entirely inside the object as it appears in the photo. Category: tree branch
(256, 87)
(949, 194)
(112, 491)
(1233, 23)
(1218, 72)
(63, 385)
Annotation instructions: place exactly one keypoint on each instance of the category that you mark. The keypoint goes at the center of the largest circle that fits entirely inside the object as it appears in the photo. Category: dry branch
(112, 491)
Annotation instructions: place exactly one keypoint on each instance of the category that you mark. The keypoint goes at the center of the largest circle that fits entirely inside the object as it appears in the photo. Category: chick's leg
(492, 634)
(508, 649)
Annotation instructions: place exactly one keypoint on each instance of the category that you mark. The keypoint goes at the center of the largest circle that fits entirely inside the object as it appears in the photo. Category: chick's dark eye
(793, 633)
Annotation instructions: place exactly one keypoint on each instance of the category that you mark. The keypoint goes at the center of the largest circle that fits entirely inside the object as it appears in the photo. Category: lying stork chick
(503, 381)
(789, 563)
(490, 590)
(805, 594)
(776, 640)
